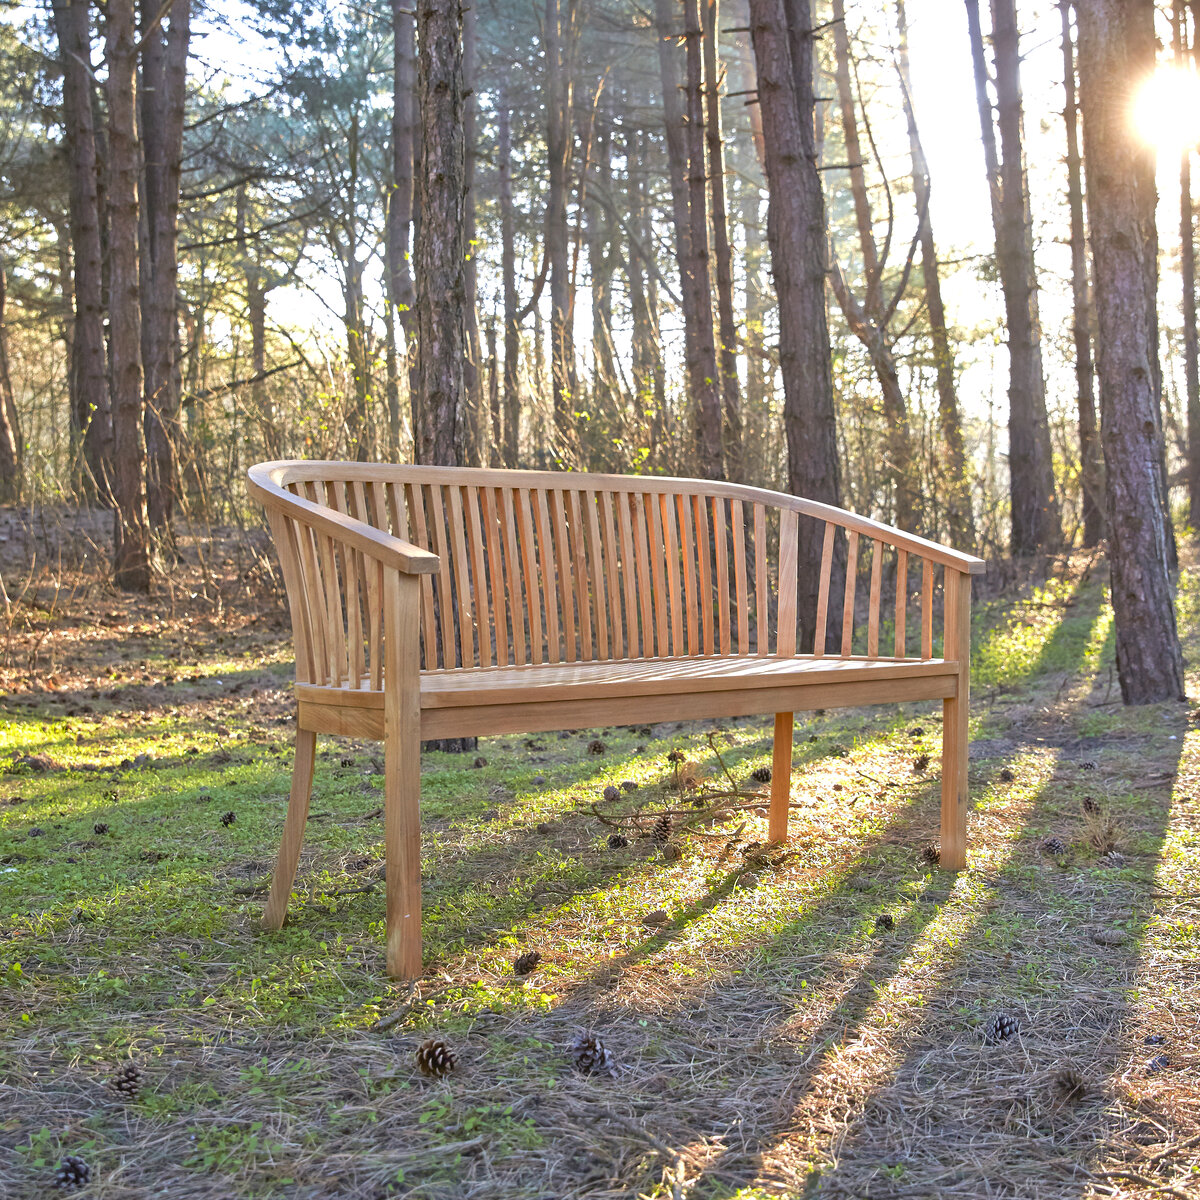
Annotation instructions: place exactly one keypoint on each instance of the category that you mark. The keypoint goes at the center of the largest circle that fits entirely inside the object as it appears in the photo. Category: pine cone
(662, 829)
(676, 756)
(127, 1081)
(100, 827)
(435, 1058)
(672, 852)
(526, 963)
(1006, 775)
(931, 852)
(1054, 846)
(1067, 1086)
(920, 763)
(596, 746)
(1000, 1027)
(916, 731)
(629, 785)
(612, 793)
(617, 841)
(1091, 806)
(72, 1172)
(885, 923)
(228, 819)
(591, 1056)
(761, 774)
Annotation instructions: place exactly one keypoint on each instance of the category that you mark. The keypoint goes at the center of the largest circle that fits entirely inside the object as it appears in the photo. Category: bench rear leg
(293, 830)
(954, 784)
(781, 778)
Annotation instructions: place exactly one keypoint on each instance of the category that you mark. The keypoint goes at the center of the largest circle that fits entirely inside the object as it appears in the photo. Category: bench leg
(954, 784)
(293, 830)
(781, 778)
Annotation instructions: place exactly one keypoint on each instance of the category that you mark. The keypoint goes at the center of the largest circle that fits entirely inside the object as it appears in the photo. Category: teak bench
(432, 602)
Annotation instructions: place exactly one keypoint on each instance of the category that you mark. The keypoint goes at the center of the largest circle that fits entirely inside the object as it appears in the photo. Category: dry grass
(769, 1040)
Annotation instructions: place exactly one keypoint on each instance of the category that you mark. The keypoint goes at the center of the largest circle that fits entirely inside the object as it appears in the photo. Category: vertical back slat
(785, 629)
(633, 630)
(376, 500)
(901, 600)
(335, 636)
(437, 528)
(479, 579)
(579, 562)
(637, 512)
(721, 557)
(462, 579)
(820, 631)
(516, 605)
(762, 610)
(655, 530)
(851, 584)
(741, 593)
(355, 578)
(562, 550)
(531, 576)
(687, 539)
(876, 585)
(596, 573)
(416, 511)
(671, 549)
(491, 534)
(283, 530)
(609, 536)
(926, 609)
(704, 554)
(546, 543)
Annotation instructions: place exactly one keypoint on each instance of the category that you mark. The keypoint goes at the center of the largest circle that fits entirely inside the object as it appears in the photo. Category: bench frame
(364, 602)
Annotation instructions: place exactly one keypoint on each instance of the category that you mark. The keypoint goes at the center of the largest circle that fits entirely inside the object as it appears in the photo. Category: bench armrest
(381, 547)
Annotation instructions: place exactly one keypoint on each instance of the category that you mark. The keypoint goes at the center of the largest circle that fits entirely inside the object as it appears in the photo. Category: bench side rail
(539, 567)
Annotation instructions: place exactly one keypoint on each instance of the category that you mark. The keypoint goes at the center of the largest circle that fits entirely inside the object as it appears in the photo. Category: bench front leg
(402, 773)
(956, 713)
(781, 778)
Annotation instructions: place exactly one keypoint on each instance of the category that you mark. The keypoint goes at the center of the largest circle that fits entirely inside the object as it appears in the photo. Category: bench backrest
(546, 567)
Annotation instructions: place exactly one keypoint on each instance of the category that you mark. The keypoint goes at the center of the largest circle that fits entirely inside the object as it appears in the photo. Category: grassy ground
(770, 1039)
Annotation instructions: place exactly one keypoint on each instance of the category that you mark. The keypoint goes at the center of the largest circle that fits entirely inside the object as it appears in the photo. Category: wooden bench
(432, 602)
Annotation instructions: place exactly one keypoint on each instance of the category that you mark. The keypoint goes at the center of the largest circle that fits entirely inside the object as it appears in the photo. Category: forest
(926, 261)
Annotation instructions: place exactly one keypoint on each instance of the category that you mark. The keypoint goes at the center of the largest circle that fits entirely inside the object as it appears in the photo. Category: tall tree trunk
(1091, 466)
(471, 420)
(10, 429)
(1035, 515)
(685, 153)
(161, 108)
(131, 531)
(869, 319)
(91, 413)
(722, 250)
(441, 236)
(600, 269)
(797, 233)
(957, 486)
(358, 431)
(496, 440)
(1187, 261)
(1116, 49)
(558, 152)
(256, 318)
(401, 292)
(508, 271)
(644, 334)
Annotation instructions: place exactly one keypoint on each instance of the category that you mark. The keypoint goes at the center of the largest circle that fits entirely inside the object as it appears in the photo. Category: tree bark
(91, 413)
(161, 108)
(131, 531)
(797, 233)
(1091, 467)
(471, 420)
(957, 484)
(401, 291)
(441, 235)
(508, 271)
(1117, 48)
(722, 250)
(1036, 523)
(10, 429)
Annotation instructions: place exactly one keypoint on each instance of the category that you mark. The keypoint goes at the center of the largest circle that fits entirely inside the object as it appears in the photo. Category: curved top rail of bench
(269, 480)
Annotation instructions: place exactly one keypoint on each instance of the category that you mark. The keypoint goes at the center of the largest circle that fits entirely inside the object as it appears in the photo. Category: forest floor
(770, 1039)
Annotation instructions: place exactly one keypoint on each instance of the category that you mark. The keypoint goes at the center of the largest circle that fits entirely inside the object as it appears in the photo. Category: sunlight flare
(1166, 109)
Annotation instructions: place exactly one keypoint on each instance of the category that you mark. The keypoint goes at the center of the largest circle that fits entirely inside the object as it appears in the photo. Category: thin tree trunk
(358, 433)
(1187, 260)
(91, 413)
(797, 233)
(471, 420)
(256, 318)
(868, 320)
(606, 382)
(402, 294)
(1117, 48)
(441, 236)
(722, 250)
(957, 488)
(10, 429)
(131, 531)
(161, 103)
(496, 440)
(1091, 467)
(1035, 515)
(508, 271)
